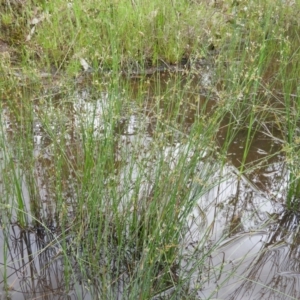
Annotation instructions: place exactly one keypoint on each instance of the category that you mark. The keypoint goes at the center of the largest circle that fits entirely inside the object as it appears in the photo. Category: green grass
(120, 201)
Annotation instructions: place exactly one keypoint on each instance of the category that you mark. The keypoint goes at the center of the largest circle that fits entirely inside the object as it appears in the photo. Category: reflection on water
(33, 268)
(260, 256)
(250, 241)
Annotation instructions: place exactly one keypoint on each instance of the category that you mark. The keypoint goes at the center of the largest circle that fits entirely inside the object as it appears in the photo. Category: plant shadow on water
(240, 242)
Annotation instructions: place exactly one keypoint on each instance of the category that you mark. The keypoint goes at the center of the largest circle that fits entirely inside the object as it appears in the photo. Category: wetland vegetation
(149, 150)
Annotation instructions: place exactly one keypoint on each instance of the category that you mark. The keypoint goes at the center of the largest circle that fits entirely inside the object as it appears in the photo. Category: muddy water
(252, 241)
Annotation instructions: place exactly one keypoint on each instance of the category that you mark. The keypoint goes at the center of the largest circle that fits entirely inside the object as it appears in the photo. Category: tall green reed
(131, 197)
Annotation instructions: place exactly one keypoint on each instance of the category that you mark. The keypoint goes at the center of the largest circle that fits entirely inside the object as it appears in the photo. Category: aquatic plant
(103, 168)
